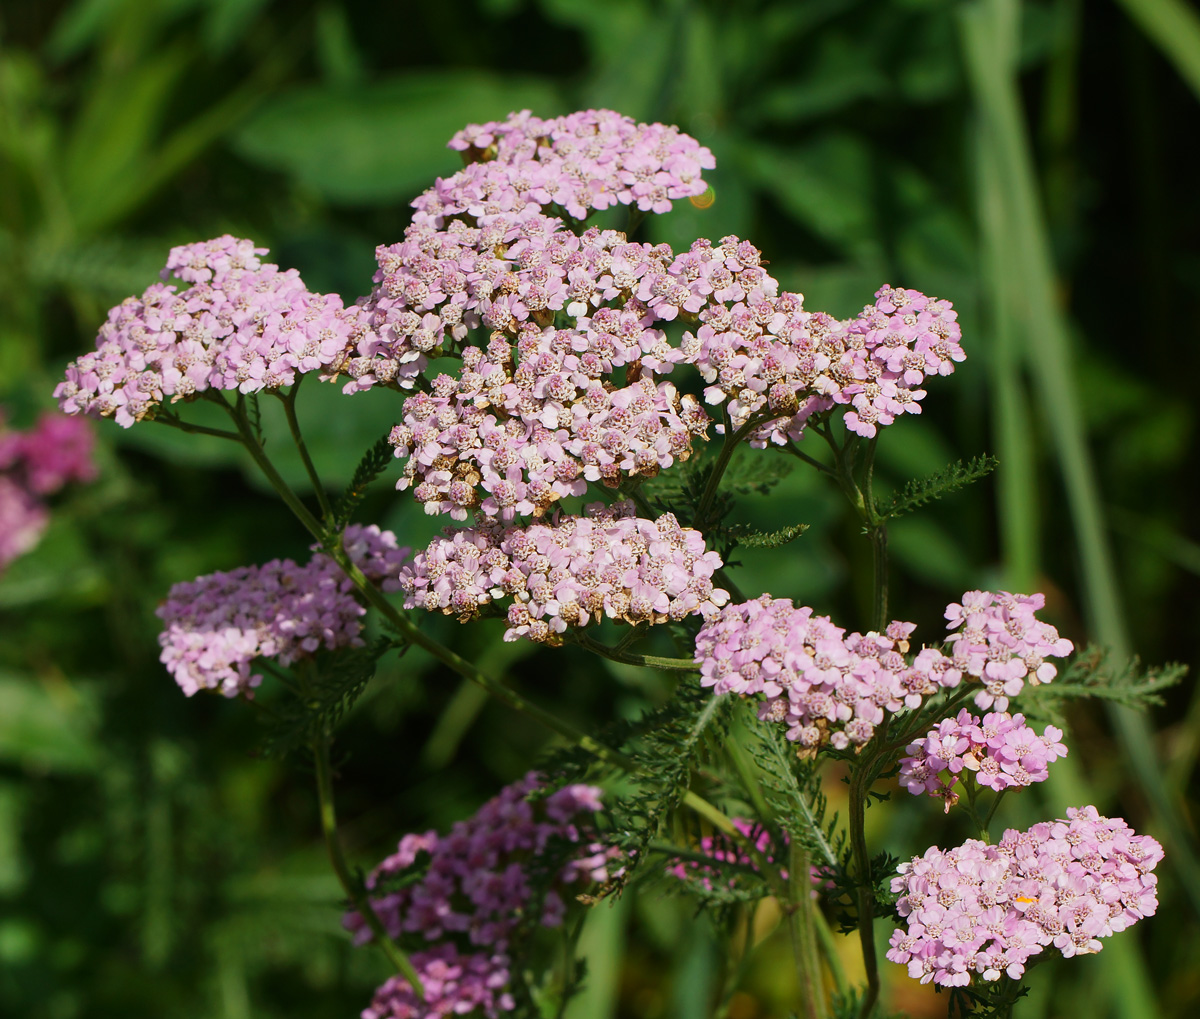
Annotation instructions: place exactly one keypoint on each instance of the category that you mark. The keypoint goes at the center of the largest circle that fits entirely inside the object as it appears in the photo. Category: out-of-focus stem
(802, 929)
(859, 786)
(350, 884)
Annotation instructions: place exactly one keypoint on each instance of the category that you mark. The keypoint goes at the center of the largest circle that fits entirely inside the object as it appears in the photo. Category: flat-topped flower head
(999, 749)
(834, 688)
(218, 624)
(764, 356)
(238, 324)
(828, 686)
(588, 160)
(568, 573)
(980, 912)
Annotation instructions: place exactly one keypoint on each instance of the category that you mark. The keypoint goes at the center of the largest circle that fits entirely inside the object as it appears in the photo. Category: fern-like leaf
(1095, 672)
(765, 539)
(922, 491)
(373, 464)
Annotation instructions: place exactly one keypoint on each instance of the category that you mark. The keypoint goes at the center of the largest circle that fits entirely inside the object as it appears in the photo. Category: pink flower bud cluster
(829, 686)
(1000, 749)
(33, 465)
(238, 324)
(833, 688)
(218, 624)
(981, 912)
(1003, 644)
(605, 564)
(768, 357)
(465, 893)
(588, 160)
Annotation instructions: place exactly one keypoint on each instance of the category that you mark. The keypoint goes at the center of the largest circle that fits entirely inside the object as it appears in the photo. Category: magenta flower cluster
(827, 685)
(1003, 644)
(834, 688)
(770, 360)
(999, 749)
(980, 912)
(218, 624)
(35, 464)
(239, 324)
(462, 896)
(607, 563)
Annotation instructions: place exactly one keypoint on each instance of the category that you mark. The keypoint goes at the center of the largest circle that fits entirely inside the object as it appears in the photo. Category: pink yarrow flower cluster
(981, 912)
(999, 749)
(218, 624)
(1003, 644)
(36, 464)
(834, 688)
(238, 324)
(588, 160)
(830, 687)
(607, 563)
(464, 895)
(766, 357)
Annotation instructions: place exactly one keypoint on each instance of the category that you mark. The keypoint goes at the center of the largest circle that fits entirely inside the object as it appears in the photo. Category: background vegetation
(1031, 161)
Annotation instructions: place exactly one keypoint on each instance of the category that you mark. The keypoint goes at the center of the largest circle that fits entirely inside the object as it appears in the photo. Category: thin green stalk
(631, 658)
(289, 410)
(1175, 28)
(987, 821)
(829, 951)
(171, 421)
(732, 439)
(349, 882)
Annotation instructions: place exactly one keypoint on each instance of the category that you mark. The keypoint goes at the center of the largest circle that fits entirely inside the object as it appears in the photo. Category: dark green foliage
(923, 491)
(671, 741)
(987, 1000)
(1094, 672)
(326, 688)
(373, 463)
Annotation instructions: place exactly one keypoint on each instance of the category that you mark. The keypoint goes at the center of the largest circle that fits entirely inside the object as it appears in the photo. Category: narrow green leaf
(1175, 28)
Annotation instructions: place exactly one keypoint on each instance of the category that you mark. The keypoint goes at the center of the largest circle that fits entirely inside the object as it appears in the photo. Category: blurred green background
(1033, 162)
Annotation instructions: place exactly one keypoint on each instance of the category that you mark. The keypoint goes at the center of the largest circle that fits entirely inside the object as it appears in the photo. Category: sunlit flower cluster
(981, 912)
(568, 573)
(999, 749)
(239, 324)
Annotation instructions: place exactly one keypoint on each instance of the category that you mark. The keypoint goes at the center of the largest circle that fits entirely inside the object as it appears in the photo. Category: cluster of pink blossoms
(1003, 644)
(834, 688)
(216, 625)
(33, 465)
(829, 686)
(240, 325)
(769, 358)
(606, 563)
(592, 159)
(463, 895)
(983, 911)
(1000, 749)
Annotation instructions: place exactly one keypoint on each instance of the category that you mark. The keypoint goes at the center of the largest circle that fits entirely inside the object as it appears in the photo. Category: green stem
(349, 882)
(171, 421)
(732, 438)
(992, 813)
(801, 928)
(792, 450)
(829, 951)
(289, 410)
(859, 785)
(630, 658)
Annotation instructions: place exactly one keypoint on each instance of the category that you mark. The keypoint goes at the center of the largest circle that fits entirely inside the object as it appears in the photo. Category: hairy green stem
(732, 438)
(860, 783)
(349, 882)
(802, 929)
